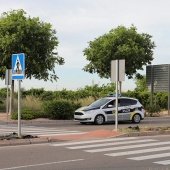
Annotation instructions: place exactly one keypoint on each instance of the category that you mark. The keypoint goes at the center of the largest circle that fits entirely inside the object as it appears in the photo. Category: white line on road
(150, 156)
(61, 134)
(110, 144)
(166, 162)
(93, 141)
(127, 147)
(50, 163)
(138, 151)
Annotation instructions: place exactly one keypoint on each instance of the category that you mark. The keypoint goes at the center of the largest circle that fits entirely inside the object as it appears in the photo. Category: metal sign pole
(168, 87)
(117, 74)
(19, 108)
(117, 77)
(7, 76)
(18, 73)
(8, 81)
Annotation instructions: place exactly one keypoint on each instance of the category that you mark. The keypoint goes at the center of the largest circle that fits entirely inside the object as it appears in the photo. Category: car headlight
(89, 112)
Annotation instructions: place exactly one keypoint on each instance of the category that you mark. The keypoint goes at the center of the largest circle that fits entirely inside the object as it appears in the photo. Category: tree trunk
(11, 108)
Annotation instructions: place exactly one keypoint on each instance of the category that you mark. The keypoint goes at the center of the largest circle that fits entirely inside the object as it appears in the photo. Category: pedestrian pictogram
(18, 64)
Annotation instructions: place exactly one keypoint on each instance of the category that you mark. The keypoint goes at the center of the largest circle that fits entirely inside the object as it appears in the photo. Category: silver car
(103, 110)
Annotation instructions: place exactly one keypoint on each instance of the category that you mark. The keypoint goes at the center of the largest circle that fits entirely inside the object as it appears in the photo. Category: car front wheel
(136, 118)
(99, 120)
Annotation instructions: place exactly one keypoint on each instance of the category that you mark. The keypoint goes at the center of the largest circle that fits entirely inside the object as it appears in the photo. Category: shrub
(162, 99)
(2, 105)
(3, 92)
(28, 114)
(59, 109)
(76, 106)
(153, 109)
(47, 95)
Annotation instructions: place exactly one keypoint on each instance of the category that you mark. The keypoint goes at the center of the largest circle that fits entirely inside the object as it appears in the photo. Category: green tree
(140, 83)
(120, 43)
(36, 39)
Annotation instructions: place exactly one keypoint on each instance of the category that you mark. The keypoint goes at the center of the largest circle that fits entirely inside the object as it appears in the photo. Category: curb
(15, 142)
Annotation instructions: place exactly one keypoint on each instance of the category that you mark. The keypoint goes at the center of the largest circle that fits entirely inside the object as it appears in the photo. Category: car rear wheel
(99, 120)
(136, 118)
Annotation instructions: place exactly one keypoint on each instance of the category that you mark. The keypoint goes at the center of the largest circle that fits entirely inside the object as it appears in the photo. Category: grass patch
(143, 129)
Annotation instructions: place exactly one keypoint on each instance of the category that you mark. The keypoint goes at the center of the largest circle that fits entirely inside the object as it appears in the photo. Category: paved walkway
(98, 134)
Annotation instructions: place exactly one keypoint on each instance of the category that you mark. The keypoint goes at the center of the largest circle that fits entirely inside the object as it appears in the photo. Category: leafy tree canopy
(140, 83)
(34, 38)
(120, 43)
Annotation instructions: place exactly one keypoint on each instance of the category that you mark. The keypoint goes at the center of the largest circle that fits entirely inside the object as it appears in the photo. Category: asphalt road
(137, 153)
(72, 125)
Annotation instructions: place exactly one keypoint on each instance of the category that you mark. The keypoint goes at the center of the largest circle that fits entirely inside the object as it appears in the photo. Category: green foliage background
(62, 104)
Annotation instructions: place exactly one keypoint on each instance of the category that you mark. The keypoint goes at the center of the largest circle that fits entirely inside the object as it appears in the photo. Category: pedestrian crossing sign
(18, 66)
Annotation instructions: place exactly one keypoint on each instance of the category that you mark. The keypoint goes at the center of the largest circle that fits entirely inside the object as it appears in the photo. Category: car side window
(127, 102)
(113, 103)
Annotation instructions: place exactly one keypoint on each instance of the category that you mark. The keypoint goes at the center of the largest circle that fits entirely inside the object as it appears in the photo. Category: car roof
(112, 98)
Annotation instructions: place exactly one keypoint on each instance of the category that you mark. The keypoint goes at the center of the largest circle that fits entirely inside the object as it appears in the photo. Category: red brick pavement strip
(98, 134)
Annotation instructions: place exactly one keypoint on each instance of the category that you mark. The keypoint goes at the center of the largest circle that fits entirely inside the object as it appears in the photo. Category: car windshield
(100, 102)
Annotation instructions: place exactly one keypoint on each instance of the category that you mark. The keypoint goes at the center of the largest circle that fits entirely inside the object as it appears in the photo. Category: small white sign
(121, 70)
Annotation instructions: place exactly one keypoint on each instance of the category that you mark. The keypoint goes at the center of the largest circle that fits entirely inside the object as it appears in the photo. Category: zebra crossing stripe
(138, 151)
(109, 144)
(150, 156)
(53, 132)
(66, 133)
(127, 147)
(94, 141)
(35, 129)
(41, 131)
(166, 162)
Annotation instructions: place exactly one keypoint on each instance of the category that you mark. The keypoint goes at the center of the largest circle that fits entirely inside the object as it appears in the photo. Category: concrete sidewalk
(98, 134)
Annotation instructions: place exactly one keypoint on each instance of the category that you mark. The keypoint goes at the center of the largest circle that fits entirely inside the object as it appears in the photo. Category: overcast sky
(79, 21)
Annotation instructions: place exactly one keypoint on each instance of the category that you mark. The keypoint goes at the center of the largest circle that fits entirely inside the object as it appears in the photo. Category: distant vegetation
(38, 103)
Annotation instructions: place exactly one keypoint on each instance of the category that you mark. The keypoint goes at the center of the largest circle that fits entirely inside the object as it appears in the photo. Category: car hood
(87, 108)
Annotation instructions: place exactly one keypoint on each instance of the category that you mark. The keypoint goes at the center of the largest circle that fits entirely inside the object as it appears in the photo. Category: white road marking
(60, 134)
(94, 141)
(166, 162)
(50, 163)
(150, 156)
(40, 131)
(138, 151)
(110, 144)
(126, 147)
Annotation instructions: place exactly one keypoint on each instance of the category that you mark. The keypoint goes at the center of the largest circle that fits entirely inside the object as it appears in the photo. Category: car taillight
(142, 107)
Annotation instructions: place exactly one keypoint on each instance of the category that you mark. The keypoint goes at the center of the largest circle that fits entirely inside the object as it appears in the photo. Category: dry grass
(143, 129)
(29, 102)
(86, 101)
